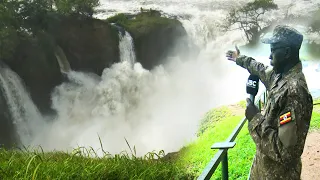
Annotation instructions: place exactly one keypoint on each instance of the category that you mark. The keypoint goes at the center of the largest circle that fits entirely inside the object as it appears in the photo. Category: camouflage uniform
(280, 132)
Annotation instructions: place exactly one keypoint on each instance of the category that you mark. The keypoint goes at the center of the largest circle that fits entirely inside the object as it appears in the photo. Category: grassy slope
(197, 154)
(315, 121)
(190, 161)
(59, 165)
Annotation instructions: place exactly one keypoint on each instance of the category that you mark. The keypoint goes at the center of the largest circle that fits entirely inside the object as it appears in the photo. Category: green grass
(144, 23)
(60, 165)
(315, 121)
(197, 155)
(188, 163)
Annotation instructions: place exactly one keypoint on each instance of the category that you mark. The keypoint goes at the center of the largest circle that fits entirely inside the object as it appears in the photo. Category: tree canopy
(249, 17)
(26, 17)
(315, 22)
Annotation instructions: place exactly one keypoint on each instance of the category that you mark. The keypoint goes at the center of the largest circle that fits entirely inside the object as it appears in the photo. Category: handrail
(222, 154)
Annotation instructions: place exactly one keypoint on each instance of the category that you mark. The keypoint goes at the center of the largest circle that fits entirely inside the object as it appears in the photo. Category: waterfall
(62, 60)
(126, 45)
(154, 110)
(25, 115)
(126, 48)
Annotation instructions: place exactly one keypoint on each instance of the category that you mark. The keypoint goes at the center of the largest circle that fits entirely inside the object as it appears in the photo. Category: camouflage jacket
(280, 131)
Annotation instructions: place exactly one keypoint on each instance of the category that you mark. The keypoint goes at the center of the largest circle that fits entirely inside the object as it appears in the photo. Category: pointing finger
(238, 51)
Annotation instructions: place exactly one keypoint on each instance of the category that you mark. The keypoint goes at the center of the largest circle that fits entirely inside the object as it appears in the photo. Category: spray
(158, 109)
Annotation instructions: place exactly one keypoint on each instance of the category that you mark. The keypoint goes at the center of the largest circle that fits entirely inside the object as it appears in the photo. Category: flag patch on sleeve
(285, 118)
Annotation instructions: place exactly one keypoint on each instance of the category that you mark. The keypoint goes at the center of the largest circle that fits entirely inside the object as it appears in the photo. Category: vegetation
(76, 165)
(315, 22)
(20, 19)
(188, 163)
(315, 122)
(249, 17)
(144, 23)
(195, 156)
(314, 45)
(148, 27)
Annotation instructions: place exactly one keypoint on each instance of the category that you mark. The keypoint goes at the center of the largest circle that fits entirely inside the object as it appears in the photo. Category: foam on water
(158, 109)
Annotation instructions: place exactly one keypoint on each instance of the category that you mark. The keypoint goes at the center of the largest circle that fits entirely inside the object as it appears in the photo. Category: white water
(126, 48)
(26, 116)
(158, 109)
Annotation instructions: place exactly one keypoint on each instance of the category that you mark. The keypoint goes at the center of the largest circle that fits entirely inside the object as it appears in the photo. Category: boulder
(155, 37)
(90, 45)
(34, 61)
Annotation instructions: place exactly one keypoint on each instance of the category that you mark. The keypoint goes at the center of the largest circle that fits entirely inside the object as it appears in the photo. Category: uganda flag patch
(285, 118)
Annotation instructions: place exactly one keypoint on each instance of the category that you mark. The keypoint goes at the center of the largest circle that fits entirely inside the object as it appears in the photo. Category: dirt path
(311, 157)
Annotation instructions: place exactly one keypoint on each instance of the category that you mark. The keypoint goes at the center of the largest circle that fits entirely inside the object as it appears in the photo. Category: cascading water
(26, 117)
(158, 109)
(62, 60)
(126, 48)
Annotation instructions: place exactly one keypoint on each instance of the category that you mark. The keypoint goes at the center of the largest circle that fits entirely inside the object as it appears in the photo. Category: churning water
(25, 115)
(158, 109)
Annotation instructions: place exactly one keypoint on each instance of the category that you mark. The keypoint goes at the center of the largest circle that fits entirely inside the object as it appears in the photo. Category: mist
(154, 110)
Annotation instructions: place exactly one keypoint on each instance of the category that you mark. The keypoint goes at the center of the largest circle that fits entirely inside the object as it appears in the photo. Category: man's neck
(290, 65)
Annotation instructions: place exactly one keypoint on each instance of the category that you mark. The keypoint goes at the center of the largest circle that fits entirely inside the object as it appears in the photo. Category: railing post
(225, 173)
(224, 146)
(222, 154)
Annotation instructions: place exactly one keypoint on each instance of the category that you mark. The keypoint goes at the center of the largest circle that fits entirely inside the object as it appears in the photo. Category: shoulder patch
(285, 118)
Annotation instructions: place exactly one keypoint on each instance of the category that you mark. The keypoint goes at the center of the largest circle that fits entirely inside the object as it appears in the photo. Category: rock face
(158, 44)
(35, 63)
(155, 38)
(90, 45)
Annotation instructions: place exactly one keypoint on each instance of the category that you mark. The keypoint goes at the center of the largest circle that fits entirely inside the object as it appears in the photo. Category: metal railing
(222, 154)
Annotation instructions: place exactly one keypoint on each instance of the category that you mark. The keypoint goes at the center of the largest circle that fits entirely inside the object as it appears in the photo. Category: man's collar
(296, 68)
(282, 77)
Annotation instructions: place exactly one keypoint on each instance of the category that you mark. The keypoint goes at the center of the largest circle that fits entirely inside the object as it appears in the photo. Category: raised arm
(265, 73)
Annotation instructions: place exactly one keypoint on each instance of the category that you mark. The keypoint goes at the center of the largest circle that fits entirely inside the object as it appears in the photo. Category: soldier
(280, 131)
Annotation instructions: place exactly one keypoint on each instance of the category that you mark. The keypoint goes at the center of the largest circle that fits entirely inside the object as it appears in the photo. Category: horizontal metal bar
(215, 161)
(223, 145)
(236, 131)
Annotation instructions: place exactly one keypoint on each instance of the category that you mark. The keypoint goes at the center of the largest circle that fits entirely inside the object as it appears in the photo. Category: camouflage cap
(286, 35)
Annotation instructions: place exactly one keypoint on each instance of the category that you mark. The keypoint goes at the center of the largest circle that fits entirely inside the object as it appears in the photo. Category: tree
(313, 46)
(315, 22)
(35, 14)
(22, 18)
(249, 17)
(80, 7)
(9, 25)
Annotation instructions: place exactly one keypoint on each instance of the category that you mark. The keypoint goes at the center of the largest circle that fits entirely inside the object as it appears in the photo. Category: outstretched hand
(233, 55)
(251, 110)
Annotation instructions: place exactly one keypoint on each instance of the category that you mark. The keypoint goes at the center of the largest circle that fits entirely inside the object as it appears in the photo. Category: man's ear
(288, 52)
